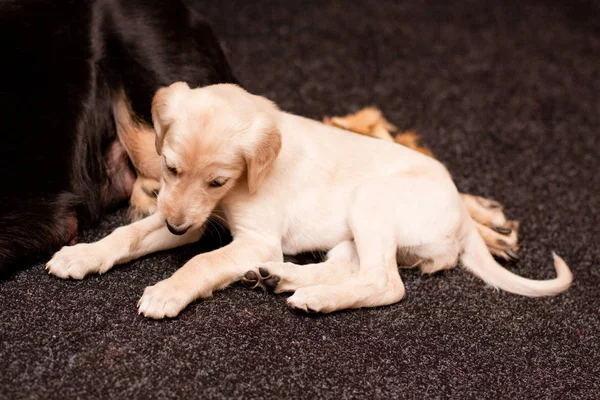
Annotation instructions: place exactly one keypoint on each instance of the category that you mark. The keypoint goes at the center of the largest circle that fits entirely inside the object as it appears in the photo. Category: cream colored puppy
(286, 185)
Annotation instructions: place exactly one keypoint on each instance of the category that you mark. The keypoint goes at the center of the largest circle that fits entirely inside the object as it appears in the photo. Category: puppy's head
(210, 139)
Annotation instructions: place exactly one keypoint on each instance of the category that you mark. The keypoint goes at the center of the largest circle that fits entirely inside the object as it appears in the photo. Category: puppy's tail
(477, 259)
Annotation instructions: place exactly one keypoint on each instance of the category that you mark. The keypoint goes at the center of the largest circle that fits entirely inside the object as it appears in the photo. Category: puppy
(287, 185)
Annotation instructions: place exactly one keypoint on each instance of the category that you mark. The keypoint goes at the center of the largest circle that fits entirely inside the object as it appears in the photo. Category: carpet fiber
(506, 95)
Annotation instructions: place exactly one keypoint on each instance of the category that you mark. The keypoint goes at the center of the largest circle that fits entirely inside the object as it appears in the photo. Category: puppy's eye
(215, 183)
(172, 170)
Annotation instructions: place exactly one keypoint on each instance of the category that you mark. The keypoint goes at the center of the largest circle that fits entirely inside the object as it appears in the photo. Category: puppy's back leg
(280, 277)
(360, 290)
(377, 281)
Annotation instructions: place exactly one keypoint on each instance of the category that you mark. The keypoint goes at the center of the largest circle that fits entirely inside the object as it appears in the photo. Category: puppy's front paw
(165, 299)
(78, 261)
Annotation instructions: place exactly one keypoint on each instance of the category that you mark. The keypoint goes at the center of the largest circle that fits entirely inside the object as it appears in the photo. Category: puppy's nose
(177, 230)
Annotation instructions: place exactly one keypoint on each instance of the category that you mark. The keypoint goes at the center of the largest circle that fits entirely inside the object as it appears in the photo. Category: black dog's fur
(62, 63)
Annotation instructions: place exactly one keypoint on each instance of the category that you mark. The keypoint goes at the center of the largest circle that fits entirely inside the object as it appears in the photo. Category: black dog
(63, 62)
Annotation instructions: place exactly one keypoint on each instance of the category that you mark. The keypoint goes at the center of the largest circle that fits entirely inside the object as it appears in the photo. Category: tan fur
(501, 245)
(137, 138)
(370, 122)
(363, 121)
(143, 198)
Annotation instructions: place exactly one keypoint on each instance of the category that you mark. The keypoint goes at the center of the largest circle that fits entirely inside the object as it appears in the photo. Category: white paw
(78, 261)
(165, 299)
(307, 300)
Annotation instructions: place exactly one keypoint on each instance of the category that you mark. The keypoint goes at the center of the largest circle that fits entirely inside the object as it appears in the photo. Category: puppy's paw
(307, 301)
(143, 198)
(78, 261)
(262, 278)
(165, 299)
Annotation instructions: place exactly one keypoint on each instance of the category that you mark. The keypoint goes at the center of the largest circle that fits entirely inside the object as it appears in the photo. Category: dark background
(506, 95)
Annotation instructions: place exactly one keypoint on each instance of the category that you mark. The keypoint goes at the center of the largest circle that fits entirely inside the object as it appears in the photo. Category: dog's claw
(511, 253)
(502, 230)
(296, 310)
(301, 311)
(502, 243)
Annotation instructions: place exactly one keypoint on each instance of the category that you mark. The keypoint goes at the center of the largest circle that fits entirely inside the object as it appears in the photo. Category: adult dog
(286, 185)
(75, 77)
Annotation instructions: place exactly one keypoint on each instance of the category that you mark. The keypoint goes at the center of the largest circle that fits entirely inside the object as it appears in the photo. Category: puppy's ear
(163, 102)
(261, 157)
(265, 145)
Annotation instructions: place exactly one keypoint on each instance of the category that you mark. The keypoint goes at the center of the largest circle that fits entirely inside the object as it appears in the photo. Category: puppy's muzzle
(177, 230)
